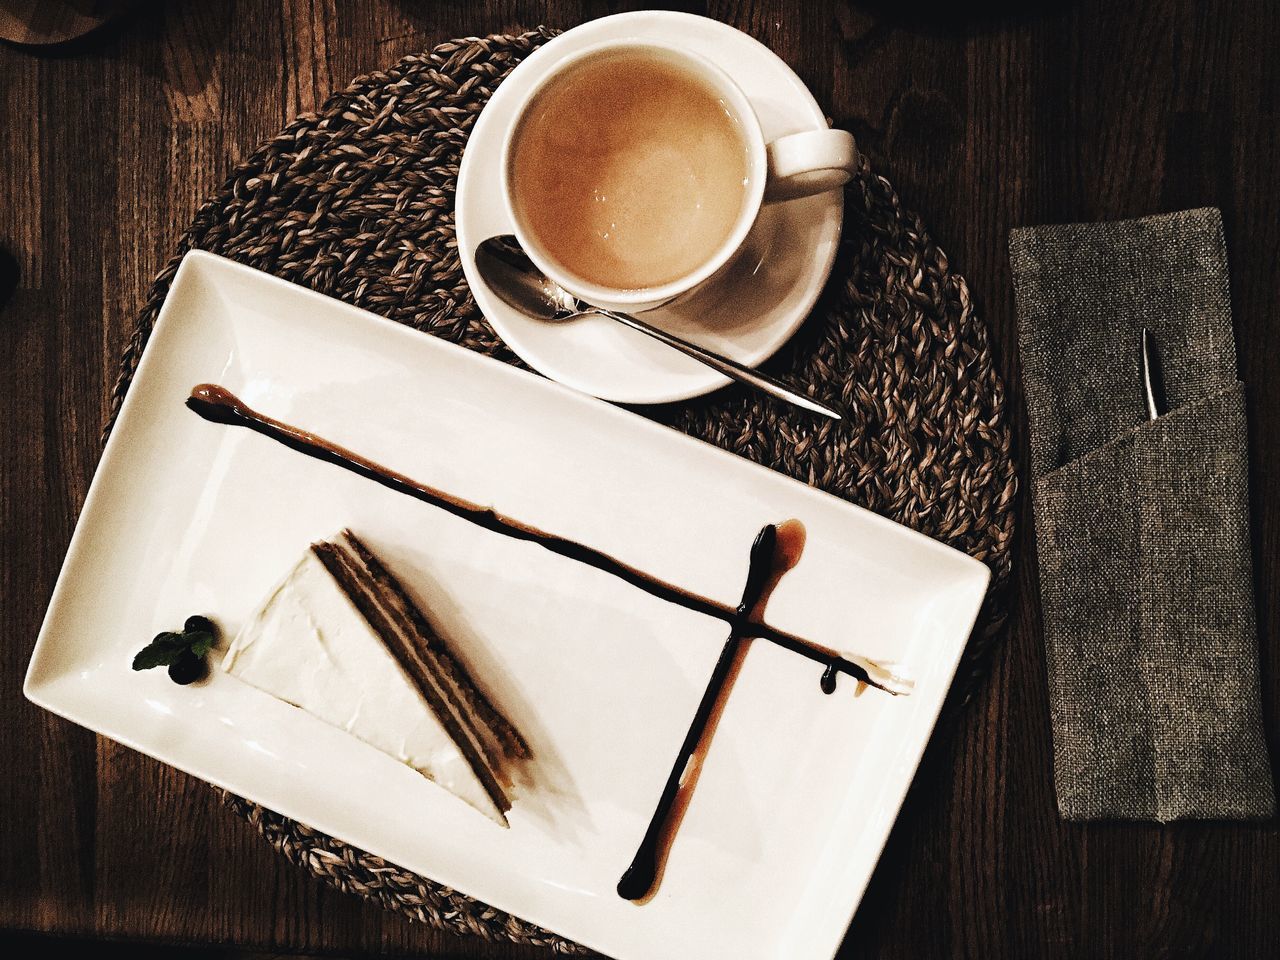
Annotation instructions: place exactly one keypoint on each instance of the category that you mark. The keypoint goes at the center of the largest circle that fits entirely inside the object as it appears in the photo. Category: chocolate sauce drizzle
(775, 551)
(219, 405)
(828, 680)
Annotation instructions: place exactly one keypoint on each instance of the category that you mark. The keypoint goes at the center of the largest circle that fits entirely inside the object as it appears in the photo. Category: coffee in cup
(635, 169)
(631, 170)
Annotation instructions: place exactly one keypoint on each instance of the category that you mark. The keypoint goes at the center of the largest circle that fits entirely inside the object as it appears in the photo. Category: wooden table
(984, 121)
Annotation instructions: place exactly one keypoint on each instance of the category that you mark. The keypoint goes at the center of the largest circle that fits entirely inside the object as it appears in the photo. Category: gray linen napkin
(1142, 526)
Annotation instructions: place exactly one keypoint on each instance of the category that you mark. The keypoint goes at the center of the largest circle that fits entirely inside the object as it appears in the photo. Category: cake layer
(386, 607)
(310, 645)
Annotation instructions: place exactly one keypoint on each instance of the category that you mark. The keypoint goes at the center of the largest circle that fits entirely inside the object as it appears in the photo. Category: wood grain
(985, 116)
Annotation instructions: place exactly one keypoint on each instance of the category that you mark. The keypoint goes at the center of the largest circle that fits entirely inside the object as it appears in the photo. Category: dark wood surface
(984, 118)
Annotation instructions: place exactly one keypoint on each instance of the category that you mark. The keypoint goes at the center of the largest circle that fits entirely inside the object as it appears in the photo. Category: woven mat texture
(357, 203)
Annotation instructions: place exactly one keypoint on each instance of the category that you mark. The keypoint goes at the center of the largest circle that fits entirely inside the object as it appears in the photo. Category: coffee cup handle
(814, 161)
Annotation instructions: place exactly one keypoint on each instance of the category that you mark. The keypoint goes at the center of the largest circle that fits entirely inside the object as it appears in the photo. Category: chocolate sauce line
(219, 405)
(638, 879)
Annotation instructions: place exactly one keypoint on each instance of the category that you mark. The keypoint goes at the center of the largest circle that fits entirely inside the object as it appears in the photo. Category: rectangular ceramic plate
(799, 790)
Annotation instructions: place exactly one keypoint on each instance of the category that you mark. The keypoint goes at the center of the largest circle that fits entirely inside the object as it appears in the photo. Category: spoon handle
(730, 368)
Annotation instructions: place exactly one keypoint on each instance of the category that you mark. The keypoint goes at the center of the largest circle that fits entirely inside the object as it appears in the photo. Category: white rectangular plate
(799, 789)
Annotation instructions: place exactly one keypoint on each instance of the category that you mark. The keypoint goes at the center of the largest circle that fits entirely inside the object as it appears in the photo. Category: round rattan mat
(357, 203)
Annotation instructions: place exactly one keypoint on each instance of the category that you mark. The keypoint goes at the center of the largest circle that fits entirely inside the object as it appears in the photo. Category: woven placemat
(357, 203)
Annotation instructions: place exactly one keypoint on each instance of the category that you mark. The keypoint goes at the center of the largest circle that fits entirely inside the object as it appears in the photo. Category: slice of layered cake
(340, 638)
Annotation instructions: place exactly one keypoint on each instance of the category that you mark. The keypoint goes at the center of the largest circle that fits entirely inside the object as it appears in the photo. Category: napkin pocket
(1147, 593)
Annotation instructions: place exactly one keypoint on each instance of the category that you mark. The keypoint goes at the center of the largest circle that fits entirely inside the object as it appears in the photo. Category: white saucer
(747, 313)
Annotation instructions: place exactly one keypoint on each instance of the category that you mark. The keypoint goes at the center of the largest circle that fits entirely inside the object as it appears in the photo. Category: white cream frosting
(307, 644)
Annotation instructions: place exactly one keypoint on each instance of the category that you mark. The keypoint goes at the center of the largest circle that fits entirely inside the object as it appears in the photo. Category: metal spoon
(1152, 376)
(509, 272)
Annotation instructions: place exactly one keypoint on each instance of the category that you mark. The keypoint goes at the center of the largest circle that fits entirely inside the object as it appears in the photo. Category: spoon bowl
(518, 283)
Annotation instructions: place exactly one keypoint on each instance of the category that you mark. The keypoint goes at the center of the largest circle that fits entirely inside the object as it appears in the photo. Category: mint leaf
(201, 642)
(160, 652)
(167, 648)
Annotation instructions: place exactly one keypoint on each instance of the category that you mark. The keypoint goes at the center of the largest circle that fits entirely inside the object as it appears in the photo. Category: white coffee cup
(798, 165)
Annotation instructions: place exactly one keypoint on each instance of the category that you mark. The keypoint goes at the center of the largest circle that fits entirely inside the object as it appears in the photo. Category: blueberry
(188, 668)
(198, 624)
